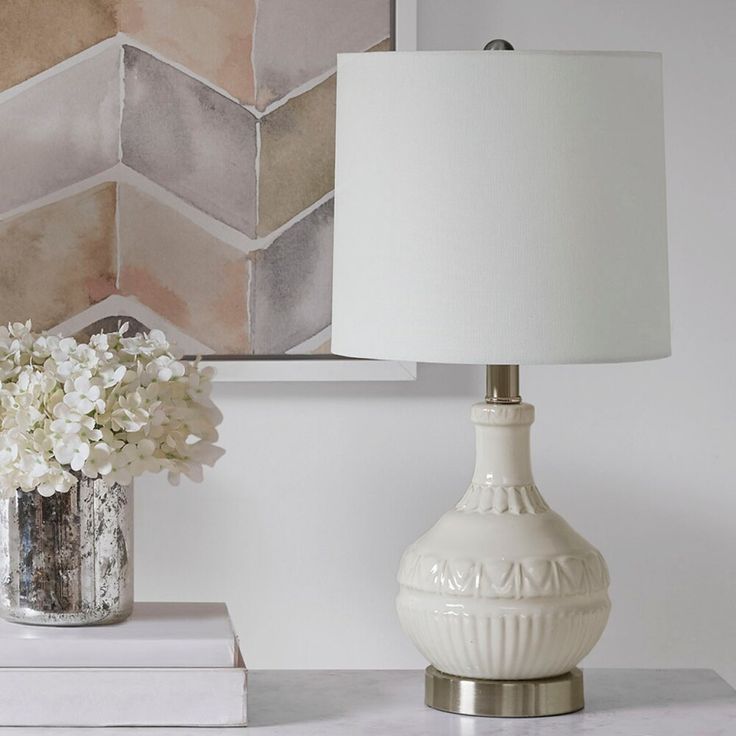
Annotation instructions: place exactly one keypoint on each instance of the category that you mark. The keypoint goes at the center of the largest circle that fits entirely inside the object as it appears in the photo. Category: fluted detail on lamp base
(498, 642)
(502, 587)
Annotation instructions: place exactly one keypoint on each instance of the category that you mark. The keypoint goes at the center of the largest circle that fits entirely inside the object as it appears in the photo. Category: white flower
(115, 407)
(99, 461)
(129, 415)
(111, 375)
(164, 368)
(66, 420)
(192, 470)
(56, 481)
(100, 341)
(140, 457)
(63, 351)
(83, 395)
(34, 465)
(120, 472)
(8, 449)
(89, 431)
(85, 357)
(72, 451)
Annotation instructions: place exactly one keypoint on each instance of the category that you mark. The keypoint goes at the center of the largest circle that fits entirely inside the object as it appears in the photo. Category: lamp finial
(498, 44)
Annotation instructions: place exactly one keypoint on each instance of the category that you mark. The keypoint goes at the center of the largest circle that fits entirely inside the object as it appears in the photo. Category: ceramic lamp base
(550, 696)
(501, 589)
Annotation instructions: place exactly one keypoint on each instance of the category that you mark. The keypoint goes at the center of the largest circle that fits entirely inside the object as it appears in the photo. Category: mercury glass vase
(67, 559)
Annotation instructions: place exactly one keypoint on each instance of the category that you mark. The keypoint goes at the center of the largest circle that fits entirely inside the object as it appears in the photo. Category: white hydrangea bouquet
(115, 407)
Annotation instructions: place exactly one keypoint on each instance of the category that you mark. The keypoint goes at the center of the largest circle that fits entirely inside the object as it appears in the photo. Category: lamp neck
(502, 456)
(502, 384)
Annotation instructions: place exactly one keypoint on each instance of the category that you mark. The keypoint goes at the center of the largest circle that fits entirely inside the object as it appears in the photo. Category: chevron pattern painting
(170, 163)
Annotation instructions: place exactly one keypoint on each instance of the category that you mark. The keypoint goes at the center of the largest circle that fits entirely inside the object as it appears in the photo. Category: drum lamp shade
(500, 207)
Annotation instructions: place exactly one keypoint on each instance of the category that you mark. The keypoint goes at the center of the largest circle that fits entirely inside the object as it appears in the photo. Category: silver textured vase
(67, 559)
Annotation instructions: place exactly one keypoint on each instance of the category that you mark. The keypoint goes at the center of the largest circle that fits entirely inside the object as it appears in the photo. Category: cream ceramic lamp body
(502, 587)
(501, 208)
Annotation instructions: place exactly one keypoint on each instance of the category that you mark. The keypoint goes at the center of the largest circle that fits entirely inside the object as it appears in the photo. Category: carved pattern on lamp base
(501, 587)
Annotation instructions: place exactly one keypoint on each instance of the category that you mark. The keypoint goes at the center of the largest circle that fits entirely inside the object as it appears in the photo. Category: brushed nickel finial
(498, 44)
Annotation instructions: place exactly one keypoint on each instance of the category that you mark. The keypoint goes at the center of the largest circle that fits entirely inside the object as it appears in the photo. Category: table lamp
(501, 207)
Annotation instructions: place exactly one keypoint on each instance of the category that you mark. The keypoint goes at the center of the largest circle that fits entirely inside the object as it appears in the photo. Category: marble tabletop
(617, 703)
(360, 702)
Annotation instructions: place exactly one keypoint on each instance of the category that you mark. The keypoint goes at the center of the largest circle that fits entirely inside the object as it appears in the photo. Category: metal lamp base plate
(550, 696)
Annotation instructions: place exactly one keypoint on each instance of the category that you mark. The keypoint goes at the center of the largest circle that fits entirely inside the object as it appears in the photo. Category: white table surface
(356, 703)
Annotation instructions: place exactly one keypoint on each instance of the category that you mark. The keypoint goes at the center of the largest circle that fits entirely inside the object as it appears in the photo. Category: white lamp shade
(500, 207)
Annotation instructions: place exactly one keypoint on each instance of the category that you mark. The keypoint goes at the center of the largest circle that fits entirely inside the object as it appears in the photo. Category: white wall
(301, 525)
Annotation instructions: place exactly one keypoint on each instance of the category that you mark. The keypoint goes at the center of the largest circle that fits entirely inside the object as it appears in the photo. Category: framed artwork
(169, 163)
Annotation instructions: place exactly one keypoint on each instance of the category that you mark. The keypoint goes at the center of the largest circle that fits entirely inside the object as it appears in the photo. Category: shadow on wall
(434, 381)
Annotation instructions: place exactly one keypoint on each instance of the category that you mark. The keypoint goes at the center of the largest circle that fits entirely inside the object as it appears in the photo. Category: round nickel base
(549, 696)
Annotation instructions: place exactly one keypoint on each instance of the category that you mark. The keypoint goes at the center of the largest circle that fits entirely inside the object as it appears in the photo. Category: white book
(169, 664)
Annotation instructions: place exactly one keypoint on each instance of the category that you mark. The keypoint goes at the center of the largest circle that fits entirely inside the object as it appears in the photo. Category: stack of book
(169, 664)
